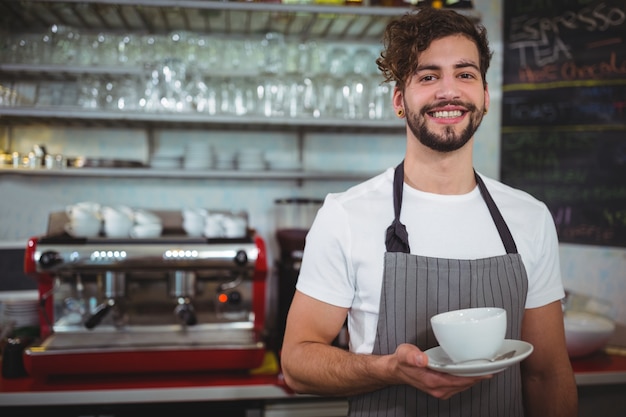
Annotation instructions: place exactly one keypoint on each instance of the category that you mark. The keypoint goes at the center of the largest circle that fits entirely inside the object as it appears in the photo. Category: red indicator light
(222, 298)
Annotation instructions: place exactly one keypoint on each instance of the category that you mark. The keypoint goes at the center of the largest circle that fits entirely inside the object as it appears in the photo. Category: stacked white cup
(84, 219)
(234, 226)
(147, 225)
(118, 221)
(194, 220)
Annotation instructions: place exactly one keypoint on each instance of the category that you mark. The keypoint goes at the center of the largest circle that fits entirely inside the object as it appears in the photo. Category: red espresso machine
(168, 304)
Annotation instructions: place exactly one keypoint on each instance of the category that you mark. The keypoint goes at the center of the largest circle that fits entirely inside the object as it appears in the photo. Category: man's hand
(411, 368)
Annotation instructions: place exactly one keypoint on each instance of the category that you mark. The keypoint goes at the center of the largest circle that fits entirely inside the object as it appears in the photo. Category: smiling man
(428, 236)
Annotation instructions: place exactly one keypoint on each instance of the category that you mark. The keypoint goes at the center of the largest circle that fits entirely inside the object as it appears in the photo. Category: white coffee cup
(194, 214)
(115, 213)
(193, 227)
(145, 217)
(194, 221)
(117, 228)
(214, 225)
(146, 230)
(84, 227)
(85, 209)
(472, 333)
(118, 220)
(234, 227)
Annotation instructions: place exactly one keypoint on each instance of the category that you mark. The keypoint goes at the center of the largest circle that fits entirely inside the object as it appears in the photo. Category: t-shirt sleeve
(545, 281)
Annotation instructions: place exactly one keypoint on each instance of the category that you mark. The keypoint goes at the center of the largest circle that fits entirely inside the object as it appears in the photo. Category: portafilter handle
(101, 312)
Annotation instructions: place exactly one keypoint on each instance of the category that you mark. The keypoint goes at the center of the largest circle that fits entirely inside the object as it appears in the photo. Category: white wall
(26, 201)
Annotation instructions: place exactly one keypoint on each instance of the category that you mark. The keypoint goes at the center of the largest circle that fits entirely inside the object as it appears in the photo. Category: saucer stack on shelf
(224, 160)
(198, 156)
(166, 158)
(21, 308)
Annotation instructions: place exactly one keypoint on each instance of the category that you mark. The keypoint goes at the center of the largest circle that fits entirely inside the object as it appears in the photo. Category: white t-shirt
(343, 258)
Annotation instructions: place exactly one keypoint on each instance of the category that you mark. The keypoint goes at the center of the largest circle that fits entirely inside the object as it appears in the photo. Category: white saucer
(438, 360)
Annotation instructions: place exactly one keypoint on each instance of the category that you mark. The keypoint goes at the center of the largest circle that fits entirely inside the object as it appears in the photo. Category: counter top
(603, 368)
(125, 389)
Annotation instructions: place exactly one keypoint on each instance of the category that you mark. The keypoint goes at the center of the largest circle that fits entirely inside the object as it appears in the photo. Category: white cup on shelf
(117, 228)
(84, 227)
(194, 221)
(118, 220)
(146, 230)
(234, 227)
(146, 217)
(84, 209)
(193, 227)
(214, 226)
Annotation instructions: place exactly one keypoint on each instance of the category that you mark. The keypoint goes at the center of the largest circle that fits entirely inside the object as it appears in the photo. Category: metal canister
(296, 213)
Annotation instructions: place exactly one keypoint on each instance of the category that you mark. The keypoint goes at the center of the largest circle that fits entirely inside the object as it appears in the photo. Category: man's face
(445, 100)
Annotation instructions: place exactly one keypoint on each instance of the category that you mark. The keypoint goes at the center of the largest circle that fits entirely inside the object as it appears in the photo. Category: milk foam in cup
(472, 333)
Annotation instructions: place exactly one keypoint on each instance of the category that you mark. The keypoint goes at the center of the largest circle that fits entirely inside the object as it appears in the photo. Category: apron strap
(503, 229)
(397, 238)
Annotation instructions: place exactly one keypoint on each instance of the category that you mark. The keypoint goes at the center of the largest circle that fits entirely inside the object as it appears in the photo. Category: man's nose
(448, 88)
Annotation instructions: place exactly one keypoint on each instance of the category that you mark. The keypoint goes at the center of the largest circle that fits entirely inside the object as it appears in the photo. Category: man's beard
(447, 141)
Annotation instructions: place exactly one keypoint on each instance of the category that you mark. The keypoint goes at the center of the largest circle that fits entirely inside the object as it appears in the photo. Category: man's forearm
(316, 368)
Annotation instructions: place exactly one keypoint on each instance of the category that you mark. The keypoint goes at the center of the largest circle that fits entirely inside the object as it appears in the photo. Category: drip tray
(121, 352)
(121, 340)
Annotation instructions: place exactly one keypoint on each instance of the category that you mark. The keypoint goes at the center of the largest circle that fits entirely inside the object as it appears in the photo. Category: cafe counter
(601, 380)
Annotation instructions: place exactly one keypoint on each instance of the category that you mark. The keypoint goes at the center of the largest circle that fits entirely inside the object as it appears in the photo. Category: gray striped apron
(417, 287)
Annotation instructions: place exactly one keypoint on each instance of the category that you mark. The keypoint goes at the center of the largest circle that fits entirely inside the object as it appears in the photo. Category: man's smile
(446, 114)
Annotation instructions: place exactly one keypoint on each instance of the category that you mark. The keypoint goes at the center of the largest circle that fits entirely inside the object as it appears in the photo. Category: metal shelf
(63, 72)
(217, 17)
(79, 117)
(320, 22)
(187, 174)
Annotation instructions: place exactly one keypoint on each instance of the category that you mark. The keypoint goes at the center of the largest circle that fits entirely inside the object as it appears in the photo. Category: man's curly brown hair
(412, 33)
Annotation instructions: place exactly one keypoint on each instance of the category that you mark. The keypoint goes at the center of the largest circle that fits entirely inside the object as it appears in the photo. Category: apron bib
(415, 288)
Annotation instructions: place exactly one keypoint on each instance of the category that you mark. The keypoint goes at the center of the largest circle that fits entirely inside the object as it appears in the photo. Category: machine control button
(174, 254)
(108, 255)
(234, 297)
(241, 258)
(50, 258)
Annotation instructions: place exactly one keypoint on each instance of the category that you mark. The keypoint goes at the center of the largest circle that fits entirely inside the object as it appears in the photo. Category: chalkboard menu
(564, 113)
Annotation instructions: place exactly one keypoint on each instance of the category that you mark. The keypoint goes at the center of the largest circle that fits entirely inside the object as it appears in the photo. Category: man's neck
(440, 173)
